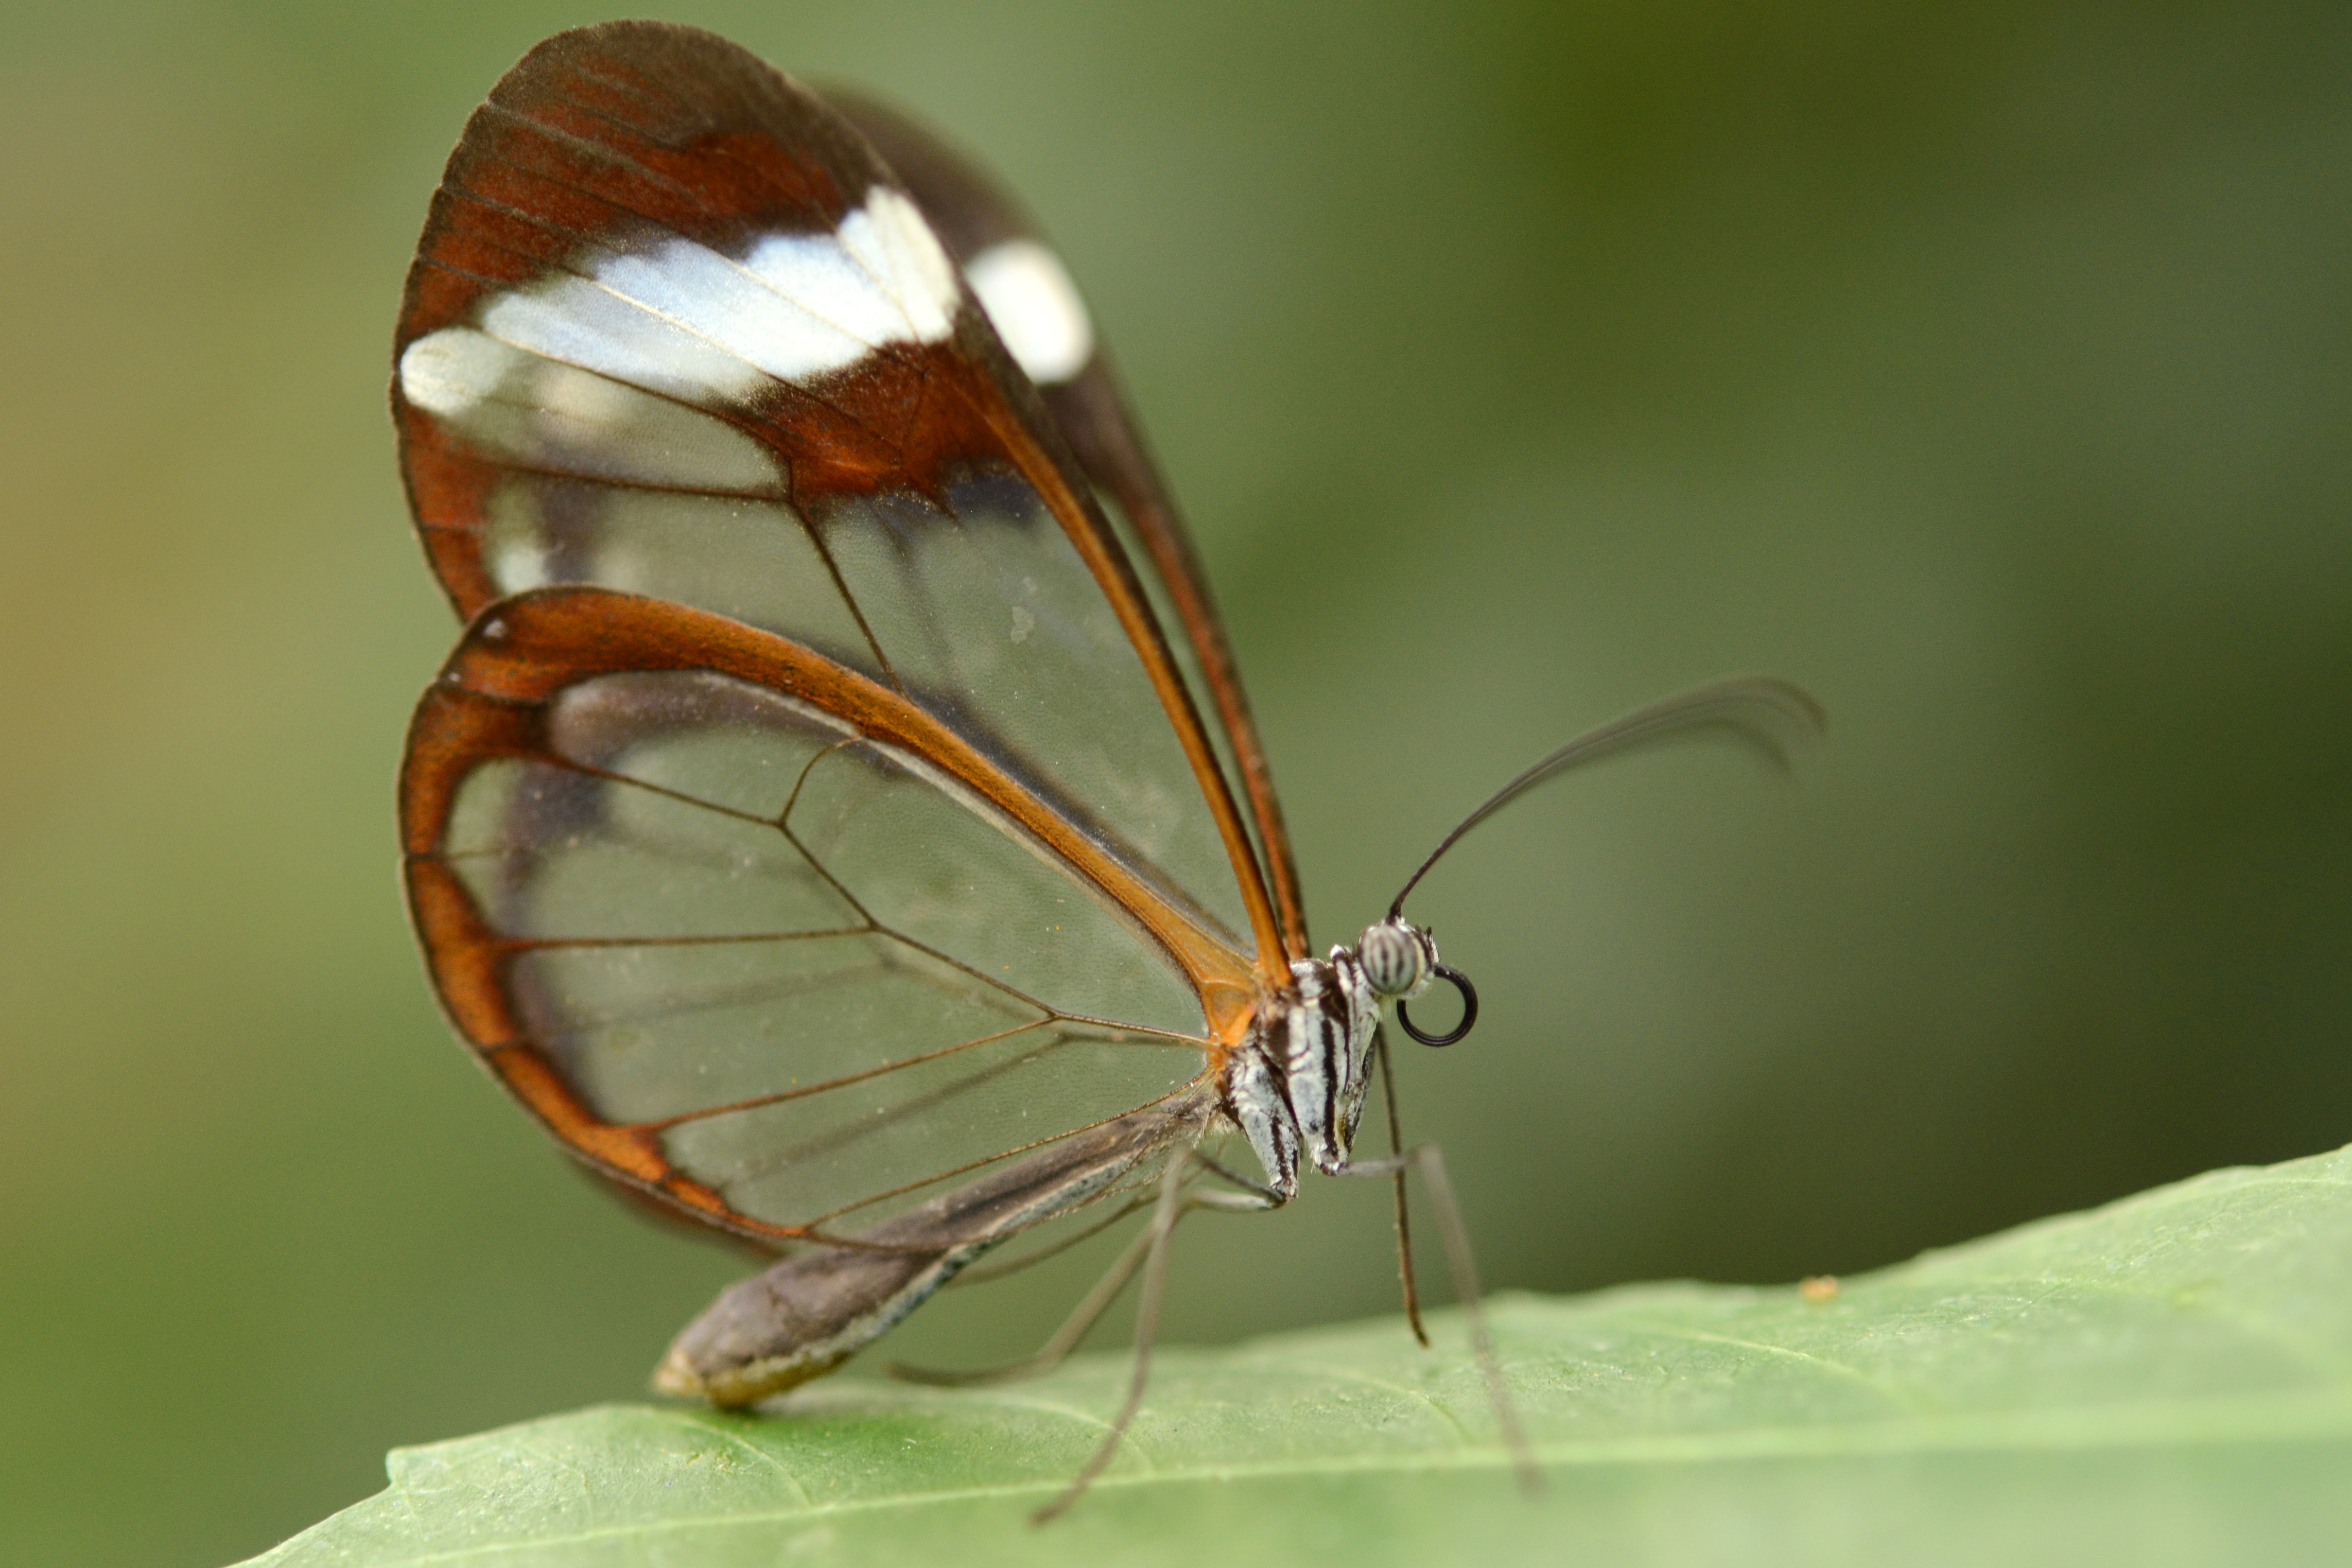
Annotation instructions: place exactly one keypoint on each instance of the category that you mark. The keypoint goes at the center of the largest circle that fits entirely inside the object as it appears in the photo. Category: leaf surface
(2165, 1380)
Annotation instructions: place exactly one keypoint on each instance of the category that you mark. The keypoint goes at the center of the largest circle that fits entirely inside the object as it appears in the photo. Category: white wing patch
(680, 320)
(517, 405)
(605, 369)
(1028, 295)
(891, 240)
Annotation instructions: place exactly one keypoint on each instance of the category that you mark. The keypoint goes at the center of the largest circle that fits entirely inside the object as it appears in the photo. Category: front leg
(1255, 1098)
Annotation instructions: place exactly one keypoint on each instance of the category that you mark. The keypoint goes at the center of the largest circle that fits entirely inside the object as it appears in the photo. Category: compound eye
(1393, 958)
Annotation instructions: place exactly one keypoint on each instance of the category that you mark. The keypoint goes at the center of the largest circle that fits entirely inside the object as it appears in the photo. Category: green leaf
(2165, 1380)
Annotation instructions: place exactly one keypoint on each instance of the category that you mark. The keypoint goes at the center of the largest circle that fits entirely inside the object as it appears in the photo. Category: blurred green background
(1986, 370)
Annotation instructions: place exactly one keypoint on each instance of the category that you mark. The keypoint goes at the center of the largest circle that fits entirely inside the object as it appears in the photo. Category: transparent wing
(1041, 317)
(673, 329)
(757, 934)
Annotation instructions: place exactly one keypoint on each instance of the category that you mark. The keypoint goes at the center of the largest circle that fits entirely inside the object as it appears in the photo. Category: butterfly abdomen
(807, 1314)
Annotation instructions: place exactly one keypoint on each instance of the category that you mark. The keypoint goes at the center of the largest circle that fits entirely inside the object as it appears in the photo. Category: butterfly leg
(1064, 1340)
(1252, 1197)
(1426, 1159)
(1170, 1209)
(1403, 1225)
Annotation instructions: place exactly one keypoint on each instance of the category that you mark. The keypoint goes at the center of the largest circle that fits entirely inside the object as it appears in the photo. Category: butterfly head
(1399, 957)
(1400, 960)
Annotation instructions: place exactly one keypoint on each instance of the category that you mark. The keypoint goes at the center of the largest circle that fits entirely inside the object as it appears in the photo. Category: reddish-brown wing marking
(936, 869)
(992, 237)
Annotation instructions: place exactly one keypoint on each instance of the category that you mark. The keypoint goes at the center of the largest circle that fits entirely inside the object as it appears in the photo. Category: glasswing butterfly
(840, 823)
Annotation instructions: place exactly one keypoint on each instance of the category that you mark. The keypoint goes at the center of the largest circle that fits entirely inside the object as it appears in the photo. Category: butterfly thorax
(1296, 1084)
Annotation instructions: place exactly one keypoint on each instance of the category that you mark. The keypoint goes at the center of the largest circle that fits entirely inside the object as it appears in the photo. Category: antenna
(1773, 716)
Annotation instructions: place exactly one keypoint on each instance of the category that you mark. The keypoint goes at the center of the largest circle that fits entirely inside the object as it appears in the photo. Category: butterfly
(840, 824)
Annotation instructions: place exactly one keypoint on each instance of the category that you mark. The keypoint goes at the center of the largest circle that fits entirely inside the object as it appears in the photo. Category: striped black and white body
(1295, 1085)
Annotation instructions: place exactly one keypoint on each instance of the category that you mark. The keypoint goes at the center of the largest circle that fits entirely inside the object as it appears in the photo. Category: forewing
(1043, 321)
(673, 329)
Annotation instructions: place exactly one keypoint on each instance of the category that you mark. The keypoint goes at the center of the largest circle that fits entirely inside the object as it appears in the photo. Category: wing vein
(601, 152)
(782, 1095)
(808, 1225)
